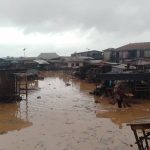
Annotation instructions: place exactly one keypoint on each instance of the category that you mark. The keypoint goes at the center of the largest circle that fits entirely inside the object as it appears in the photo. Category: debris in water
(131, 145)
(39, 97)
(68, 84)
(2, 132)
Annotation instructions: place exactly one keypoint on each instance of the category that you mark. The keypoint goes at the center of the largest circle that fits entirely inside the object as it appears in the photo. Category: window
(77, 64)
(147, 53)
(94, 54)
(132, 54)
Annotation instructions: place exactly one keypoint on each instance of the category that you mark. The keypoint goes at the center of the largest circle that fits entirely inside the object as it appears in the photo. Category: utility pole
(24, 51)
(88, 49)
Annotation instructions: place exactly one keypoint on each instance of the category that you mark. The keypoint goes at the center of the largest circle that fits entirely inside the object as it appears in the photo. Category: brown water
(60, 117)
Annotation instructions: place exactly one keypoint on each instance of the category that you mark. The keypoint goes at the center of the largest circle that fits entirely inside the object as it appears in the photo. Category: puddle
(122, 116)
(10, 118)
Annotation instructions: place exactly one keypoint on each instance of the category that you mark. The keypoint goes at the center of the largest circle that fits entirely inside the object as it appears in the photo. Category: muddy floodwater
(60, 116)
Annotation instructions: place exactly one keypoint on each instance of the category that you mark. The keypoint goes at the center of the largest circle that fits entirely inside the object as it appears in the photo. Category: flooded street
(57, 116)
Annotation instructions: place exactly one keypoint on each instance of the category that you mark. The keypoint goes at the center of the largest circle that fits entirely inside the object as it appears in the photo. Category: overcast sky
(67, 26)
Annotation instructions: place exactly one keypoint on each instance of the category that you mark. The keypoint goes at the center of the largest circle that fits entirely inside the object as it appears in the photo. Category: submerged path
(61, 117)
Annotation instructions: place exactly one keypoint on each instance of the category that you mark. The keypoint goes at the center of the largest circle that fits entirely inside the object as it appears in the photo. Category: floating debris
(68, 84)
(2, 132)
(39, 97)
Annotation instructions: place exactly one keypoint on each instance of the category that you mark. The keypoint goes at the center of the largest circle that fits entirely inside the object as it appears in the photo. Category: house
(59, 62)
(76, 62)
(4, 63)
(28, 62)
(47, 56)
(133, 51)
(92, 53)
(21, 62)
(42, 64)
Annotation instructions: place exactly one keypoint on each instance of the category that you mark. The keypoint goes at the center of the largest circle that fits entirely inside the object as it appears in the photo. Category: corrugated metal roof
(41, 62)
(48, 56)
(95, 61)
(120, 66)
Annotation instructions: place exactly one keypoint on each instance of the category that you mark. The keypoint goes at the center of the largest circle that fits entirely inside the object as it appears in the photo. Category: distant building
(4, 63)
(76, 62)
(47, 56)
(110, 55)
(59, 62)
(133, 51)
(92, 53)
(23, 62)
(42, 64)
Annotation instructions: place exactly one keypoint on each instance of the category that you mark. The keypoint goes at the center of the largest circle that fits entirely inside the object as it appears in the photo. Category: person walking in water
(119, 97)
(119, 94)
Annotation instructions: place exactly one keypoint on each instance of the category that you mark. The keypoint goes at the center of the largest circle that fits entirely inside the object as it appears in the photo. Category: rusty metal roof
(135, 46)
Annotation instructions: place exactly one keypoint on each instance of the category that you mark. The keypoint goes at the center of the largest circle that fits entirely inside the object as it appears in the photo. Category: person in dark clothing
(120, 98)
(119, 95)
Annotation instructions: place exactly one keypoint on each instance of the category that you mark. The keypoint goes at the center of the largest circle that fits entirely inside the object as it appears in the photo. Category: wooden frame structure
(21, 84)
(141, 130)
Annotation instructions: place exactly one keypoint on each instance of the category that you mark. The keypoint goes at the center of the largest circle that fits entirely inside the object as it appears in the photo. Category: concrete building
(92, 53)
(133, 51)
(76, 62)
(110, 55)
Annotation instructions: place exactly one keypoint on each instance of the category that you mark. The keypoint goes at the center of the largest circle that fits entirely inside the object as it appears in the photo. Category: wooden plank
(123, 76)
(142, 123)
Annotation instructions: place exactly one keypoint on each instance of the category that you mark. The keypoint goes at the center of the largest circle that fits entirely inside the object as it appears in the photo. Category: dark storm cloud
(116, 16)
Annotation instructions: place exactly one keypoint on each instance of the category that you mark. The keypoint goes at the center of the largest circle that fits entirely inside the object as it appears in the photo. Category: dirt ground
(61, 115)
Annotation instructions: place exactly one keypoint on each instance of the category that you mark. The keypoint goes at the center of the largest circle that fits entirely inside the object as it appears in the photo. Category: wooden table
(141, 125)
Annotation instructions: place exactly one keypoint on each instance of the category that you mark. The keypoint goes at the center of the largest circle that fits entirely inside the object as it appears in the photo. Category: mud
(67, 118)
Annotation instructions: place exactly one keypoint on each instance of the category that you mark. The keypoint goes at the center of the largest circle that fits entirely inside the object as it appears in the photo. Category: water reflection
(121, 116)
(14, 116)
(10, 118)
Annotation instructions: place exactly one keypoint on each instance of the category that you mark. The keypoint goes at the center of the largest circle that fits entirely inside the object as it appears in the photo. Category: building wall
(75, 64)
(107, 55)
(133, 54)
(147, 53)
(110, 56)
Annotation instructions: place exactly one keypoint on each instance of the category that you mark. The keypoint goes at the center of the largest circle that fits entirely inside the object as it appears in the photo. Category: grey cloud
(118, 16)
